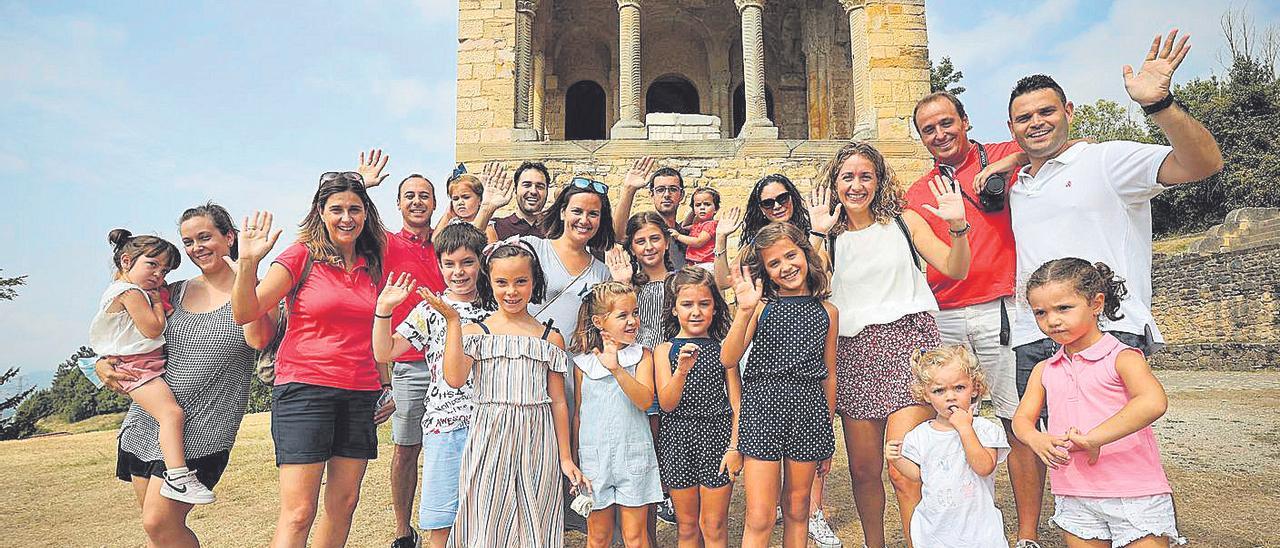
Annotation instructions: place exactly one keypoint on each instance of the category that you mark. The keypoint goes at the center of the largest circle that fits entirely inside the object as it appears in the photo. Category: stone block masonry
(1218, 311)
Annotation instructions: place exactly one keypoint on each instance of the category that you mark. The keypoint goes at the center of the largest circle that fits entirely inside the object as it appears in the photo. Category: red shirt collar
(411, 237)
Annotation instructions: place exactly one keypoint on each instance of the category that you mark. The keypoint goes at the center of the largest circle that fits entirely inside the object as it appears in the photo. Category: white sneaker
(186, 488)
(1026, 543)
(821, 533)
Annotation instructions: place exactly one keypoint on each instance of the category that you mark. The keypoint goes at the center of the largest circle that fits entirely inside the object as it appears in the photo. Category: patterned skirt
(873, 368)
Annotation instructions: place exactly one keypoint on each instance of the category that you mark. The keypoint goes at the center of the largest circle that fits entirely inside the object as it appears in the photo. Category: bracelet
(386, 385)
(734, 449)
(721, 252)
(1158, 105)
(961, 232)
(387, 317)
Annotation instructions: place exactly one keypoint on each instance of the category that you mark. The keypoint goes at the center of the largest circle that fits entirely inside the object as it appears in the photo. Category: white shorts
(1121, 520)
(977, 327)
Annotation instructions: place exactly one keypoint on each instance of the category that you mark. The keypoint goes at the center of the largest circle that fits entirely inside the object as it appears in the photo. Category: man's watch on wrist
(1158, 105)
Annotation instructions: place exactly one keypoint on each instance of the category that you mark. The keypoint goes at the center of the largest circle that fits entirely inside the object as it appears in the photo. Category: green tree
(1108, 121)
(75, 397)
(8, 291)
(1241, 110)
(11, 427)
(944, 77)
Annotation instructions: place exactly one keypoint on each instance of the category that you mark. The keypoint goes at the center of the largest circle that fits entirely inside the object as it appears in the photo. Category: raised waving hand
(371, 165)
(1154, 78)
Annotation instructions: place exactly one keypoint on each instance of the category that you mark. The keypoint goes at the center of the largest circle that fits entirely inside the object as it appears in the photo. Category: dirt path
(1220, 441)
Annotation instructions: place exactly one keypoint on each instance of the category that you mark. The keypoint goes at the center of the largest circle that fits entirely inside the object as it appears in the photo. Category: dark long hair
(753, 219)
(507, 250)
(685, 277)
(125, 244)
(634, 224)
(816, 280)
(553, 225)
(372, 242)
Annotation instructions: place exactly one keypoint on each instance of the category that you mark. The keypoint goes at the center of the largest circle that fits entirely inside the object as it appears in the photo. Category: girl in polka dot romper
(788, 382)
(700, 398)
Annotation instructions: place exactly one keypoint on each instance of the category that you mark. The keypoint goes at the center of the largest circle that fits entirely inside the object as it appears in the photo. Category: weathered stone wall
(486, 70)
(898, 53)
(1218, 310)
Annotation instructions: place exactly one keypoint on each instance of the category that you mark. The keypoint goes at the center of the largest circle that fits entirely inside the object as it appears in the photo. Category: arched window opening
(672, 94)
(584, 111)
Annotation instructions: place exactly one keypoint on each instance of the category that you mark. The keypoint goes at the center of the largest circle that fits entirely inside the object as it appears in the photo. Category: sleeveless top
(706, 392)
(1083, 391)
(874, 281)
(114, 333)
(790, 340)
(208, 368)
(649, 299)
(608, 416)
(512, 369)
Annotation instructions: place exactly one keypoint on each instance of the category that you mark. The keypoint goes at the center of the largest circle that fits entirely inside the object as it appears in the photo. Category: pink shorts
(143, 366)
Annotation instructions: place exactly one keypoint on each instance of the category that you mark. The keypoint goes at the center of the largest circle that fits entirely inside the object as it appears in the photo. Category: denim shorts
(441, 464)
(312, 423)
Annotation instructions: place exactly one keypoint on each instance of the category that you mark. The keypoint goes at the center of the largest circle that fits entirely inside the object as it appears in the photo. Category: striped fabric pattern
(650, 300)
(509, 493)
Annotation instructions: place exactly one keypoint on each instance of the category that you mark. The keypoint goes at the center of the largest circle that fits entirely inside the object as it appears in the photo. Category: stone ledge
(710, 148)
(1219, 357)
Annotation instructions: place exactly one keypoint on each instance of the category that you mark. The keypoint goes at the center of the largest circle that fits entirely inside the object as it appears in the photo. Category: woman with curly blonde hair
(875, 248)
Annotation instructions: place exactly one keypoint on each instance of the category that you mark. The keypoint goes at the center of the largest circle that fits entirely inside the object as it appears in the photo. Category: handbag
(265, 365)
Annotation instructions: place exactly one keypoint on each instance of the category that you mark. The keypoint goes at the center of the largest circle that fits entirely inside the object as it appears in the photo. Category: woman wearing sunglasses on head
(774, 199)
(327, 383)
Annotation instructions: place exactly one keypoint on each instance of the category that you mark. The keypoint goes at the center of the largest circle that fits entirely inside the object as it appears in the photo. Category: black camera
(991, 196)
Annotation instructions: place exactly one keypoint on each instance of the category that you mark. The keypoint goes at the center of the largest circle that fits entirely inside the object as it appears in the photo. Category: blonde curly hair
(925, 365)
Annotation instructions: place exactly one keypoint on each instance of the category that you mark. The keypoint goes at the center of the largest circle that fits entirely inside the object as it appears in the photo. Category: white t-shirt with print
(958, 507)
(447, 408)
(1093, 202)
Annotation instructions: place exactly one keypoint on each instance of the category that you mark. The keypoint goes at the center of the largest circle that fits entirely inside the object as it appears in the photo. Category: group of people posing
(580, 360)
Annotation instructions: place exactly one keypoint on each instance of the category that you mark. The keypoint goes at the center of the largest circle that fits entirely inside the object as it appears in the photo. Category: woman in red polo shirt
(327, 383)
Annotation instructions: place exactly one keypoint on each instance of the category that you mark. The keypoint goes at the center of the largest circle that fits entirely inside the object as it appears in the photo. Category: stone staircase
(1243, 228)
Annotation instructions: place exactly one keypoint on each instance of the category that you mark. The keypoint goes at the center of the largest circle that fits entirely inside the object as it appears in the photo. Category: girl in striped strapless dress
(509, 491)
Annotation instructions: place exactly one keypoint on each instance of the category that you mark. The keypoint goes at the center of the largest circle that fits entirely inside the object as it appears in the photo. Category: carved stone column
(629, 125)
(864, 112)
(524, 129)
(757, 124)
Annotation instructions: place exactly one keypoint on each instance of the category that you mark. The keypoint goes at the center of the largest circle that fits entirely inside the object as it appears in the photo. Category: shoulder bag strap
(911, 246)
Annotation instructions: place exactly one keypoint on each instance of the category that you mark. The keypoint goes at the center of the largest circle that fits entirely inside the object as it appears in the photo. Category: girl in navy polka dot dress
(700, 398)
(788, 382)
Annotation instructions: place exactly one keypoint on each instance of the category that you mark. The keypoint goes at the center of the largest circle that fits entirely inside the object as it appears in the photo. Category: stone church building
(727, 91)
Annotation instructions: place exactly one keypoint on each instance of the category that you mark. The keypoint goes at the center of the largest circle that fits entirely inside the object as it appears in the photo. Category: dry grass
(61, 491)
(56, 425)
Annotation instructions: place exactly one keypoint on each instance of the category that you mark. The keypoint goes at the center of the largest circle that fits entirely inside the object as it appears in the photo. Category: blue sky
(126, 113)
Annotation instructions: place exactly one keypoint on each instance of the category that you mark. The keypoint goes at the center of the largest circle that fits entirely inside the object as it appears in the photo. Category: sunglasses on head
(349, 176)
(780, 200)
(595, 186)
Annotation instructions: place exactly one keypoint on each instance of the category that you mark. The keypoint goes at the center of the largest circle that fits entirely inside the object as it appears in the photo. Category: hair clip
(460, 170)
(491, 247)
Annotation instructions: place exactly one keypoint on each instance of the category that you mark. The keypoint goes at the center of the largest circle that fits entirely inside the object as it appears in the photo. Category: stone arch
(672, 93)
(584, 111)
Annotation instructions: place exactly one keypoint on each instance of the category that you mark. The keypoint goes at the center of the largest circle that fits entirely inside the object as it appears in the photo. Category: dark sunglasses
(348, 176)
(780, 200)
(595, 186)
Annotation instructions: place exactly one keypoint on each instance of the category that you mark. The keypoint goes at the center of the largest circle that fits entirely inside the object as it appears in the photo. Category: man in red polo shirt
(975, 311)
(409, 250)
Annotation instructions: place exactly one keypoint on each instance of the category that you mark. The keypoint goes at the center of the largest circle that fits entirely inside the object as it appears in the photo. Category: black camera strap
(950, 173)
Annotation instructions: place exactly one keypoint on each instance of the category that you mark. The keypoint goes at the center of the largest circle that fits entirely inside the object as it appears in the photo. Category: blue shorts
(441, 464)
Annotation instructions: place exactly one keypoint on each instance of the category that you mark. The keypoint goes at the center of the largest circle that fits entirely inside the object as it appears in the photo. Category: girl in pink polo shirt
(1108, 484)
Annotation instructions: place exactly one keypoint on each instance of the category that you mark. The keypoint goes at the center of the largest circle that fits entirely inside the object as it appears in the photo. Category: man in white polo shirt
(1093, 200)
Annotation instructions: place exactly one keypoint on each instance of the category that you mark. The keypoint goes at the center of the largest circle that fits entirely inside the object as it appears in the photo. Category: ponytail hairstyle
(925, 364)
(816, 280)
(221, 220)
(598, 302)
(694, 276)
(125, 244)
(634, 224)
(1087, 279)
(506, 249)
